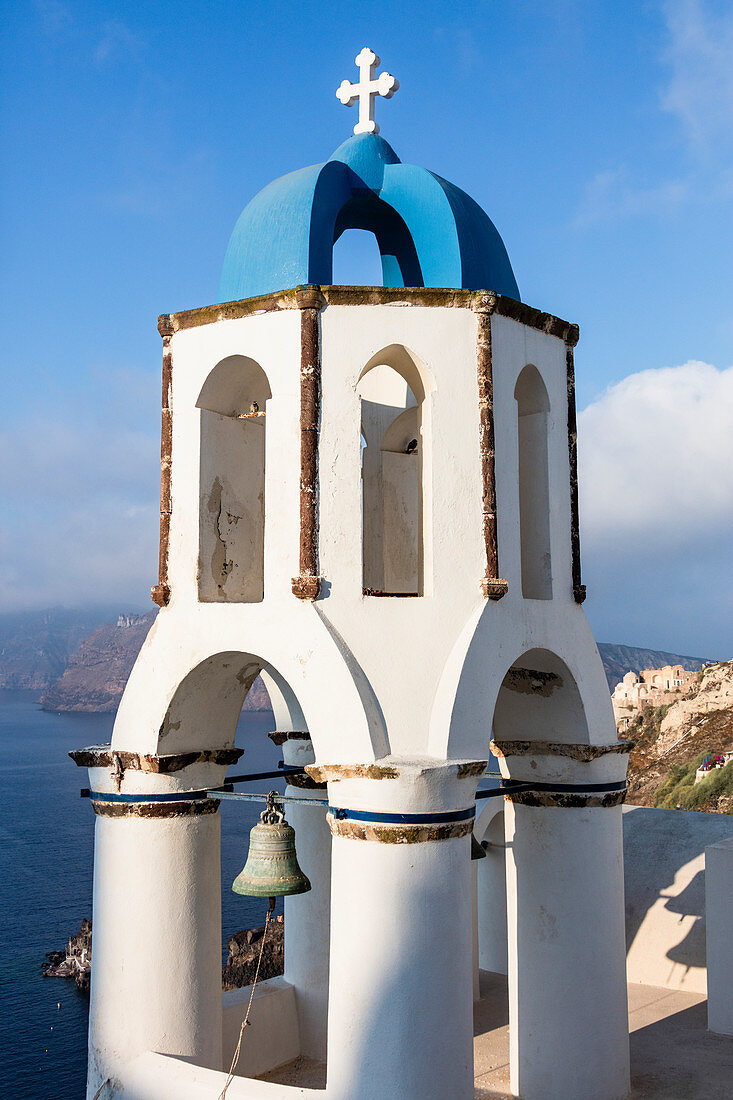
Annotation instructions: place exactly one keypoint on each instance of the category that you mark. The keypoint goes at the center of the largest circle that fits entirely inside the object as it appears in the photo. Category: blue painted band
(521, 786)
(180, 796)
(435, 818)
(562, 788)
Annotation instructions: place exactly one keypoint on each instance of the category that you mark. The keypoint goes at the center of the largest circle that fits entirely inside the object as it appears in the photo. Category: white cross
(367, 90)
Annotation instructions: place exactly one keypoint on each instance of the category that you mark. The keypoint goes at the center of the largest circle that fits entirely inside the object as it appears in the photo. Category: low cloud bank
(79, 483)
(656, 499)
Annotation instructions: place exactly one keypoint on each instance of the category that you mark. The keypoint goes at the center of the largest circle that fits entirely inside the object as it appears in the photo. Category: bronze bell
(271, 870)
(477, 850)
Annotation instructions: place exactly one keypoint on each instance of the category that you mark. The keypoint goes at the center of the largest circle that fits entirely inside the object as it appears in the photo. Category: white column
(400, 1018)
(718, 894)
(474, 929)
(156, 947)
(492, 946)
(565, 910)
(308, 916)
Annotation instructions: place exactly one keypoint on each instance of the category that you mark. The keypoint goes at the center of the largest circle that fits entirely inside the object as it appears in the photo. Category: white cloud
(700, 88)
(79, 482)
(613, 194)
(656, 507)
(116, 42)
(656, 459)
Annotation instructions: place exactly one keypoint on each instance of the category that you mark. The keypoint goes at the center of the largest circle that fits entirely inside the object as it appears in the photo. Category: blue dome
(429, 232)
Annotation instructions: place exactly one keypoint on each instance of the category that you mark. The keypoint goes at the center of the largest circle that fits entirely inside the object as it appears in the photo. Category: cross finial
(367, 90)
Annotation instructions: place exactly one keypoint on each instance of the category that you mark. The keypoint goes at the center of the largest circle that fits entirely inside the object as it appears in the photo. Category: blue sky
(599, 138)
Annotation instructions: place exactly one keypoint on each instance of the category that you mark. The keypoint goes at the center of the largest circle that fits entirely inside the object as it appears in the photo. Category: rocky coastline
(75, 961)
(238, 970)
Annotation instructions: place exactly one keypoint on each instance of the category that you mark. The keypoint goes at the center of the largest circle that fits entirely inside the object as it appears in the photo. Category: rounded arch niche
(205, 707)
(395, 431)
(539, 700)
(232, 482)
(533, 410)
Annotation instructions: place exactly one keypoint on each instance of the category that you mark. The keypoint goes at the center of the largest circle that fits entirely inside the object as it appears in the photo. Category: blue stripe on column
(435, 818)
(179, 796)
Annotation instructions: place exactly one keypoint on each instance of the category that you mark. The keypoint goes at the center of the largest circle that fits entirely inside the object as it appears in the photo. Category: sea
(46, 854)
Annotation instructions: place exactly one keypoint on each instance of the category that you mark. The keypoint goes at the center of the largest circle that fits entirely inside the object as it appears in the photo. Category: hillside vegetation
(671, 742)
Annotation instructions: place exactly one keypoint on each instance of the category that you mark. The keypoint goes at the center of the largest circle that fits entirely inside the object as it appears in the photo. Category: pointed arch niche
(395, 460)
(232, 482)
(533, 408)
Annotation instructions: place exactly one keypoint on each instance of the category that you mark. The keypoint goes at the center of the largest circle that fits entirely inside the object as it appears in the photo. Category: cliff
(95, 676)
(81, 662)
(36, 646)
(672, 740)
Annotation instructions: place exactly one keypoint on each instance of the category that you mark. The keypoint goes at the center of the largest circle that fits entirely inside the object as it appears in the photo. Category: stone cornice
(476, 300)
(583, 753)
(104, 756)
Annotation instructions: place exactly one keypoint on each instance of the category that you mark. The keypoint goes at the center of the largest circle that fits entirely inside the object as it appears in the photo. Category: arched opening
(363, 222)
(394, 442)
(232, 482)
(539, 701)
(357, 260)
(533, 408)
(237, 698)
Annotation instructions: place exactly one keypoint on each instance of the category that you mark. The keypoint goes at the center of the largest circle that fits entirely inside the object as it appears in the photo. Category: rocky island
(238, 970)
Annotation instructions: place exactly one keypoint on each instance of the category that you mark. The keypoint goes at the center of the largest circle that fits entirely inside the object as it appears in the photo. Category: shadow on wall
(664, 874)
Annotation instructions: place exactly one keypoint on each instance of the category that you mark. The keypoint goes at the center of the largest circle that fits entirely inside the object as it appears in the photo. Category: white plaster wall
(567, 988)
(718, 895)
(156, 956)
(401, 932)
(272, 1036)
(664, 862)
(308, 920)
(407, 676)
(159, 1077)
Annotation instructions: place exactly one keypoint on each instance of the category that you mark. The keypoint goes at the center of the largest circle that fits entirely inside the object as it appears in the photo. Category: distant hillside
(36, 646)
(620, 659)
(671, 741)
(81, 660)
(95, 676)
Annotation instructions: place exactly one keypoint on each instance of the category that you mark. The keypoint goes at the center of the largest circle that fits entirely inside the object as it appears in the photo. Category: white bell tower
(369, 495)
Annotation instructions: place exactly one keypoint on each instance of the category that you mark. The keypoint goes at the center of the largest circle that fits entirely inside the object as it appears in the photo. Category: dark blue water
(46, 851)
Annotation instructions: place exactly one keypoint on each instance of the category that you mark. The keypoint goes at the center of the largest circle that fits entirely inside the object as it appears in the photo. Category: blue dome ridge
(430, 232)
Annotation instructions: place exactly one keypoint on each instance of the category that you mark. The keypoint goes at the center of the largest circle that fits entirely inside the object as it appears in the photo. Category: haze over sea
(46, 864)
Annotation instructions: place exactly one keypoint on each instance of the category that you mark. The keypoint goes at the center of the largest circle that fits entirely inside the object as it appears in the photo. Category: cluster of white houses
(652, 687)
(369, 497)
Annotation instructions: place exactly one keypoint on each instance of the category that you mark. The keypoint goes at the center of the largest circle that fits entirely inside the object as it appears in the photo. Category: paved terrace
(673, 1055)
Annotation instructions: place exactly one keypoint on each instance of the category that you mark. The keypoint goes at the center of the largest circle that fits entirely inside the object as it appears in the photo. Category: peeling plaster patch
(221, 566)
(529, 681)
(398, 834)
(248, 674)
(167, 726)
